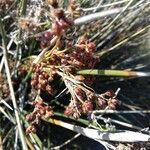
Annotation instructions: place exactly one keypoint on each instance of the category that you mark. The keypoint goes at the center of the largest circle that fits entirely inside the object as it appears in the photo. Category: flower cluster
(41, 79)
(85, 101)
(65, 63)
(110, 98)
(41, 110)
(60, 23)
(80, 56)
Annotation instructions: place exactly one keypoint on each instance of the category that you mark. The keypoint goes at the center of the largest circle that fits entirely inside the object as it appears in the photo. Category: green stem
(83, 121)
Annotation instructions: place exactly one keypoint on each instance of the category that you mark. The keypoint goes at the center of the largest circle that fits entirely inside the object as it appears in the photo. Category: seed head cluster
(65, 62)
(60, 23)
(41, 79)
(41, 110)
(87, 101)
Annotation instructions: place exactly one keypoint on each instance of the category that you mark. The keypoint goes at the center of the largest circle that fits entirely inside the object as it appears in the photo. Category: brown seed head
(56, 28)
(30, 129)
(91, 45)
(69, 111)
(112, 106)
(53, 3)
(79, 77)
(59, 13)
(109, 93)
(29, 117)
(101, 103)
(87, 106)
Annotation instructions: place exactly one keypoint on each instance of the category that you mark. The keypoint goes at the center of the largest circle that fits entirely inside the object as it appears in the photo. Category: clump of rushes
(65, 63)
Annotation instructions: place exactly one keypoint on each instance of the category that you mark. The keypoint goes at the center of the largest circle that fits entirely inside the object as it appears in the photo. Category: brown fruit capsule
(47, 35)
(59, 13)
(114, 101)
(48, 114)
(87, 106)
(45, 75)
(78, 91)
(49, 89)
(101, 103)
(69, 111)
(30, 129)
(91, 45)
(56, 28)
(50, 79)
(42, 112)
(63, 23)
(34, 82)
(112, 106)
(82, 40)
(29, 117)
(53, 3)
(110, 93)
(80, 77)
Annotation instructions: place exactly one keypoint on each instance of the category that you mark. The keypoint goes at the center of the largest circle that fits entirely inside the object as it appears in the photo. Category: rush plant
(81, 65)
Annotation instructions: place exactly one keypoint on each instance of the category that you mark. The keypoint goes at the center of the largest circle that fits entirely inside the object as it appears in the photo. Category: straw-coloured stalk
(117, 136)
(24, 146)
